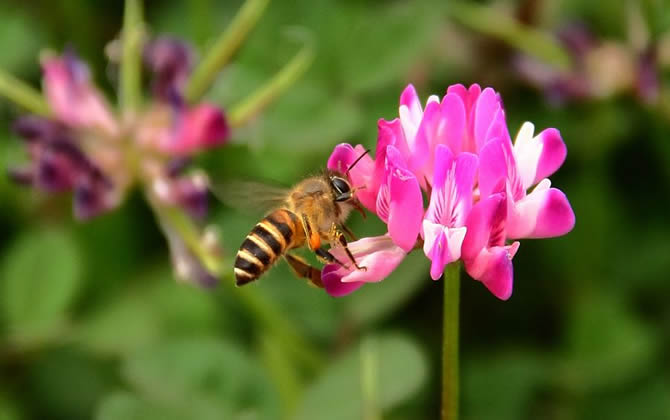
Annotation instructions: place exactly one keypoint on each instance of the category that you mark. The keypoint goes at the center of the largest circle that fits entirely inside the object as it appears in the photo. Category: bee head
(341, 188)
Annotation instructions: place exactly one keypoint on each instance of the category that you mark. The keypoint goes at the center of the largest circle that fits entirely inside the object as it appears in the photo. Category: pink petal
(201, 127)
(553, 153)
(72, 97)
(453, 111)
(361, 175)
(442, 246)
(485, 115)
(410, 99)
(493, 164)
(544, 213)
(493, 267)
(438, 207)
(406, 201)
(379, 255)
(331, 276)
(431, 131)
(480, 223)
(540, 156)
(465, 172)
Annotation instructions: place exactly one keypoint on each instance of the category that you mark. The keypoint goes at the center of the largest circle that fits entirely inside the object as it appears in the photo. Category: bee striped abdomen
(268, 240)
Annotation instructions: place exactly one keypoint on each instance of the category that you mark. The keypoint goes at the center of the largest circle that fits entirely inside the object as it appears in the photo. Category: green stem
(20, 93)
(130, 95)
(224, 48)
(282, 372)
(254, 103)
(450, 386)
(369, 376)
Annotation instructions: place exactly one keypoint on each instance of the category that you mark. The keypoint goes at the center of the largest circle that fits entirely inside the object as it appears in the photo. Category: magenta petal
(486, 112)
(73, 98)
(406, 201)
(544, 213)
(437, 208)
(493, 267)
(343, 155)
(492, 167)
(553, 153)
(410, 99)
(431, 131)
(453, 111)
(201, 127)
(331, 276)
(361, 175)
(378, 254)
(480, 222)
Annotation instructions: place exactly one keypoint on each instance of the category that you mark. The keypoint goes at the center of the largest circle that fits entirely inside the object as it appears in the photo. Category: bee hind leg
(304, 270)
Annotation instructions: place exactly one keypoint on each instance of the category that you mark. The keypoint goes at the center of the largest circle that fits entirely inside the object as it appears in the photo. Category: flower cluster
(484, 191)
(84, 146)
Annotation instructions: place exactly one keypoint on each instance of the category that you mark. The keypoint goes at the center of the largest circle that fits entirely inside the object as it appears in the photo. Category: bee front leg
(304, 270)
(339, 238)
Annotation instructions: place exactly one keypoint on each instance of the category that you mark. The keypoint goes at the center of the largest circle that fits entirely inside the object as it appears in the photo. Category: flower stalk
(273, 88)
(450, 374)
(224, 48)
(131, 63)
(21, 94)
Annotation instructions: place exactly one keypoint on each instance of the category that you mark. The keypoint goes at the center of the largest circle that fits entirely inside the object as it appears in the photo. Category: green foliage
(400, 371)
(41, 275)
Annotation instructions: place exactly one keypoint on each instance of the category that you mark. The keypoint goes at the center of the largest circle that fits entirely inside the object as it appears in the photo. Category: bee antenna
(356, 161)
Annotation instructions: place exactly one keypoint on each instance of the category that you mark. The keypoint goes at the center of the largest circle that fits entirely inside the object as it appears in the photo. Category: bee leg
(313, 238)
(304, 270)
(339, 237)
(327, 257)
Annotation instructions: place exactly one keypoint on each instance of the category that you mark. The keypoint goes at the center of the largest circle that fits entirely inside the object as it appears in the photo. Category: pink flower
(459, 150)
(379, 255)
(450, 202)
(72, 97)
(544, 212)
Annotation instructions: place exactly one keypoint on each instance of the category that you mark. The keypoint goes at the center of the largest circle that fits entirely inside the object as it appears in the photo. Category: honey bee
(311, 214)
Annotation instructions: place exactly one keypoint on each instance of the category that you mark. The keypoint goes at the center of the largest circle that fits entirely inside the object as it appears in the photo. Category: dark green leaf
(41, 277)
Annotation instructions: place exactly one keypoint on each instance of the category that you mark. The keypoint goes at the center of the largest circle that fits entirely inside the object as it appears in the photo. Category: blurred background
(93, 324)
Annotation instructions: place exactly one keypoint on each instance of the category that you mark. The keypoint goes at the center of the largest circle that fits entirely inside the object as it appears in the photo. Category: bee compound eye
(340, 185)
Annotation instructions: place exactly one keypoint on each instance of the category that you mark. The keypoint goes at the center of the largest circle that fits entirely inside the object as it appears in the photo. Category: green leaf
(144, 314)
(41, 275)
(205, 370)
(55, 375)
(400, 371)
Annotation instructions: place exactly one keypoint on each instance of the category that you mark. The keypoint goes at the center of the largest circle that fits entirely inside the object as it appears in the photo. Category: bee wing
(251, 196)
